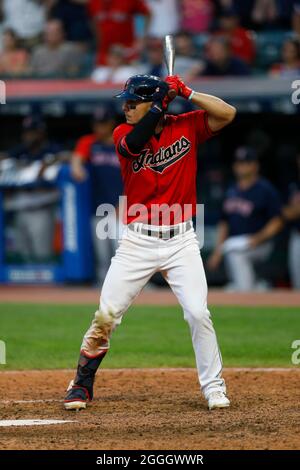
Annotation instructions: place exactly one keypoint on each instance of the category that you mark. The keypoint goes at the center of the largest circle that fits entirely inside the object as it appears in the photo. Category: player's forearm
(269, 231)
(142, 131)
(219, 112)
(76, 161)
(222, 235)
(291, 212)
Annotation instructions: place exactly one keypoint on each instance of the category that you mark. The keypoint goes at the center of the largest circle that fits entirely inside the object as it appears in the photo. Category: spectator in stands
(73, 14)
(98, 151)
(117, 69)
(265, 14)
(251, 219)
(14, 60)
(155, 64)
(114, 24)
(184, 45)
(290, 65)
(240, 39)
(296, 21)
(34, 207)
(56, 57)
(26, 17)
(219, 61)
(196, 17)
(285, 12)
(164, 17)
(186, 54)
(243, 9)
(292, 214)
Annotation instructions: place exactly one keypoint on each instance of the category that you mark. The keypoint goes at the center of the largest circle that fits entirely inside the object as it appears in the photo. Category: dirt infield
(153, 409)
(86, 295)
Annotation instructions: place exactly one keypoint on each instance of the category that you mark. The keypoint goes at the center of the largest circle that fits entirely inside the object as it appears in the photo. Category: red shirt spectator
(14, 60)
(240, 39)
(242, 45)
(114, 23)
(197, 16)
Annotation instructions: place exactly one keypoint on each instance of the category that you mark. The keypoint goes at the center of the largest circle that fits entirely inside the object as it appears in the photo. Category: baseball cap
(104, 113)
(245, 154)
(33, 122)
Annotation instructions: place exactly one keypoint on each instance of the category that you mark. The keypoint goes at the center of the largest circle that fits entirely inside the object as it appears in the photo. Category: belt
(165, 233)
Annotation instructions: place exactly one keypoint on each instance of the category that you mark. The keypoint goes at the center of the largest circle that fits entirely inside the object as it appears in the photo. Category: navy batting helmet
(141, 88)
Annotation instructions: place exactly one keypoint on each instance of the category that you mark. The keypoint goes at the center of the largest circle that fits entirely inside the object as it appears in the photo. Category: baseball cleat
(217, 400)
(76, 398)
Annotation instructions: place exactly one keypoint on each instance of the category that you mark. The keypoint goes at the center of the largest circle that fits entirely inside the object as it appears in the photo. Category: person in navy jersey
(251, 217)
(34, 204)
(95, 153)
(292, 214)
(74, 16)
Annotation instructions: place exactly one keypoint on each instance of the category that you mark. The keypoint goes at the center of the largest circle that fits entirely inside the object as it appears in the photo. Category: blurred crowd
(110, 40)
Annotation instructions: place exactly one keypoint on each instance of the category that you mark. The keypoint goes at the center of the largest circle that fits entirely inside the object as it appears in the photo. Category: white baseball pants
(178, 259)
(240, 266)
(294, 259)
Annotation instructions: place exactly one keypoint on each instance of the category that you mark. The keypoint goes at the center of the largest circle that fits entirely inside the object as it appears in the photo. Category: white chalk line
(22, 402)
(32, 422)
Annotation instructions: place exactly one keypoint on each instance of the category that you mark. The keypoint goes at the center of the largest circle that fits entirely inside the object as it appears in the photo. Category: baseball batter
(158, 157)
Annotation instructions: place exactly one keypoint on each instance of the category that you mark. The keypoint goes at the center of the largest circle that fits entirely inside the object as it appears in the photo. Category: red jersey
(241, 42)
(164, 172)
(114, 22)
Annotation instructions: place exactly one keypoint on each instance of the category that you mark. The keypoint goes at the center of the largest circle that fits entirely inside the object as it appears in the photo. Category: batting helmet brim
(125, 95)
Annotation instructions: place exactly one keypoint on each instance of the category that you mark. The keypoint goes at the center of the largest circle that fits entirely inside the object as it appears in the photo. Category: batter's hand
(177, 84)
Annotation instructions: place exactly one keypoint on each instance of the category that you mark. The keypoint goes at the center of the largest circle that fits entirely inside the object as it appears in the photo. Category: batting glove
(177, 84)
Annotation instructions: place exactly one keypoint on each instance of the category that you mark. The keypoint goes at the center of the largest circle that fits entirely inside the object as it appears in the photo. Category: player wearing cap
(158, 157)
(95, 153)
(34, 204)
(292, 215)
(251, 218)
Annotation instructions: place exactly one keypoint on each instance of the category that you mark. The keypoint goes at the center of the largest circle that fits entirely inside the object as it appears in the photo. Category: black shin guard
(86, 370)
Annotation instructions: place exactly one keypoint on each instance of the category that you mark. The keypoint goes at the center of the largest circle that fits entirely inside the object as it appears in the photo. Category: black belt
(165, 234)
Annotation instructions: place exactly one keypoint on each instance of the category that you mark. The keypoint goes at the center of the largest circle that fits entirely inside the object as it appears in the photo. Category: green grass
(49, 336)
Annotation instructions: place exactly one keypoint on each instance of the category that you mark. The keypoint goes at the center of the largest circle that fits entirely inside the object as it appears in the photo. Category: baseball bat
(169, 54)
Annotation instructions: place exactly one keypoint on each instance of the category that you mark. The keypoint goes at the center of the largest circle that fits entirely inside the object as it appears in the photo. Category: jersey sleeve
(83, 147)
(197, 121)
(273, 203)
(119, 136)
(202, 129)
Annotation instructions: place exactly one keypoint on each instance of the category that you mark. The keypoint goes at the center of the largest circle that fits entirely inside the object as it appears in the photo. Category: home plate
(32, 422)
